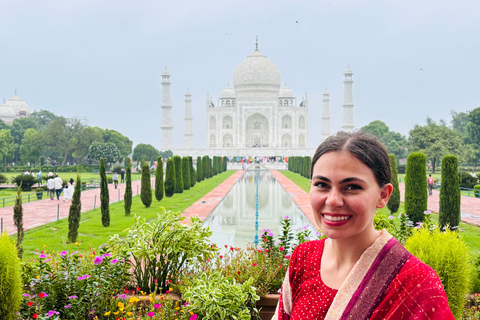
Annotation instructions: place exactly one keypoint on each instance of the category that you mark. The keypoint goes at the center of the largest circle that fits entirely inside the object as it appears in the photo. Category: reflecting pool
(234, 221)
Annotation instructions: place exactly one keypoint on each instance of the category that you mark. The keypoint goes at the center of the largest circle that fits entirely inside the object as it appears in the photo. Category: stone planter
(267, 305)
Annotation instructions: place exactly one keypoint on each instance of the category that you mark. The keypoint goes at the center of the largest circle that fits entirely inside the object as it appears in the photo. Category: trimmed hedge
(170, 178)
(159, 185)
(146, 189)
(394, 201)
(199, 169)
(178, 174)
(449, 212)
(186, 173)
(416, 194)
(477, 193)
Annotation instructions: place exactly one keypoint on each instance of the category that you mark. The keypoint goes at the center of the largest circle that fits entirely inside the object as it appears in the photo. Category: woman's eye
(353, 187)
(321, 184)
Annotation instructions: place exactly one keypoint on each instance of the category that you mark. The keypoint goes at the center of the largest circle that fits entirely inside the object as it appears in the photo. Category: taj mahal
(257, 117)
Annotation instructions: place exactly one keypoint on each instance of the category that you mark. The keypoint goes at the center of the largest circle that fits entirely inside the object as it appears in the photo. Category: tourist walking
(58, 186)
(115, 179)
(122, 176)
(356, 272)
(430, 184)
(69, 189)
(51, 187)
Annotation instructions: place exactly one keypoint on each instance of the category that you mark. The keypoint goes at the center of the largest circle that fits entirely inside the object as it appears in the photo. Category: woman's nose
(334, 199)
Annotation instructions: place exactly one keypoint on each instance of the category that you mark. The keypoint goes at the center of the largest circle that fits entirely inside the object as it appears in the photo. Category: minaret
(188, 121)
(347, 125)
(326, 115)
(167, 128)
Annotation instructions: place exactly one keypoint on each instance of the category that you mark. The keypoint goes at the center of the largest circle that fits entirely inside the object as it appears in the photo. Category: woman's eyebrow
(349, 179)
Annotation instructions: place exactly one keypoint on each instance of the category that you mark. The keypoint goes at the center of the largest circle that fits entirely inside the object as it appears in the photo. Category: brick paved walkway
(40, 212)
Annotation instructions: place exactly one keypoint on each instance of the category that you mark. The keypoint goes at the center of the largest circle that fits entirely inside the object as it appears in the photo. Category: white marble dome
(228, 93)
(18, 105)
(286, 92)
(256, 76)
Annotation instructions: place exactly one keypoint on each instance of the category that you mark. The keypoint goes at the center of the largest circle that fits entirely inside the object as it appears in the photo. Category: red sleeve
(415, 293)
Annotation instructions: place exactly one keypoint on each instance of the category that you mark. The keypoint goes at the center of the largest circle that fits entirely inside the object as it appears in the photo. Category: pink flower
(254, 264)
(41, 256)
(114, 261)
(158, 305)
(52, 312)
(98, 260)
(151, 314)
(63, 253)
(41, 295)
(281, 248)
(193, 317)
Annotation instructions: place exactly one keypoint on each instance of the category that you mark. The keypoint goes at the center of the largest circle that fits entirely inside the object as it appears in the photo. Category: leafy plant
(449, 256)
(449, 213)
(212, 296)
(10, 279)
(416, 196)
(3, 178)
(160, 249)
(477, 190)
(394, 201)
(26, 181)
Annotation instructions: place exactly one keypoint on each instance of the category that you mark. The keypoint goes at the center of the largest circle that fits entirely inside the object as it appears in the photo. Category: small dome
(228, 93)
(18, 105)
(256, 76)
(188, 93)
(165, 73)
(348, 71)
(286, 92)
(326, 92)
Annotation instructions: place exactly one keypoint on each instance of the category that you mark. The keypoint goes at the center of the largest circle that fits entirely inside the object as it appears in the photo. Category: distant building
(14, 108)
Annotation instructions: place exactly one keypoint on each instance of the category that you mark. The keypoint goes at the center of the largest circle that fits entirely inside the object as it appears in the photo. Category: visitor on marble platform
(356, 272)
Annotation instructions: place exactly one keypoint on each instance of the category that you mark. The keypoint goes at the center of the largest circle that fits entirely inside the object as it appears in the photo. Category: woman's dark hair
(72, 181)
(364, 147)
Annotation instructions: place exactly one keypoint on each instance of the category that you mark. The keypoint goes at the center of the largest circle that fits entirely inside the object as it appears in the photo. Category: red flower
(238, 272)
(35, 316)
(226, 246)
(138, 288)
(41, 294)
(476, 294)
(281, 248)
(221, 257)
(30, 304)
(254, 264)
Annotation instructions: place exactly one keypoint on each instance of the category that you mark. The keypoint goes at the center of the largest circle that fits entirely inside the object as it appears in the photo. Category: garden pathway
(40, 212)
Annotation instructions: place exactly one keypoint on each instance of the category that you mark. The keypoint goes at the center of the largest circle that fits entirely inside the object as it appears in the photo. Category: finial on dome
(256, 44)
(15, 91)
(228, 84)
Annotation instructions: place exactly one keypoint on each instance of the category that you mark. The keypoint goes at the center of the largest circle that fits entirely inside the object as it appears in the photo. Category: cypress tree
(199, 169)
(225, 164)
(18, 220)
(11, 287)
(146, 189)
(128, 188)
(170, 178)
(186, 173)
(394, 201)
(449, 213)
(74, 212)
(193, 175)
(416, 196)
(159, 180)
(205, 167)
(104, 195)
(307, 161)
(178, 174)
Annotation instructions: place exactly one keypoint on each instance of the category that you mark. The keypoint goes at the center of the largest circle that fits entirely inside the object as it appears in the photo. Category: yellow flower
(177, 308)
(133, 299)
(115, 313)
(129, 313)
(191, 313)
(76, 243)
(38, 277)
(44, 246)
(121, 305)
(121, 309)
(151, 299)
(107, 313)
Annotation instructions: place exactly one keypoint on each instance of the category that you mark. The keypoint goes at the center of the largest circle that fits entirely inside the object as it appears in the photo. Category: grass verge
(53, 236)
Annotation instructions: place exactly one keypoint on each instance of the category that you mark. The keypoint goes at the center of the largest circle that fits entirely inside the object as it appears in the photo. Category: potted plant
(39, 192)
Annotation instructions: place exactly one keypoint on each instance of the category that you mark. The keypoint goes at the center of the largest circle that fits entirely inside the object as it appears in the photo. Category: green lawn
(53, 236)
(470, 233)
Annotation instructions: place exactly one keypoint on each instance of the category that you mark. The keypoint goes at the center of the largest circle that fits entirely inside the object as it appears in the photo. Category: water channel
(235, 221)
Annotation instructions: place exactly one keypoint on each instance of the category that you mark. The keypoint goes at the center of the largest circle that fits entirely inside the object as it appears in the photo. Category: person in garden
(51, 187)
(58, 186)
(115, 179)
(430, 184)
(356, 272)
(122, 176)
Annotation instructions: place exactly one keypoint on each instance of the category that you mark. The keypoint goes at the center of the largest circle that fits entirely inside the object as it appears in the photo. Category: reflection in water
(233, 220)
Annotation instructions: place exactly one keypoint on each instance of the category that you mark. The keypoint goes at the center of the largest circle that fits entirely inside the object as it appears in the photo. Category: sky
(102, 60)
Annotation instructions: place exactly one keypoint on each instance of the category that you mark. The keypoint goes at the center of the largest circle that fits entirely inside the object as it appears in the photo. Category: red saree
(386, 283)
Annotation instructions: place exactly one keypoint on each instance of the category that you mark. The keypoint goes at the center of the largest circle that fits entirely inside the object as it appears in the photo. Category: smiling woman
(356, 272)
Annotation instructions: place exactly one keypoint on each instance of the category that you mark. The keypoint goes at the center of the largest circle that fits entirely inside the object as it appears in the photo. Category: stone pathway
(40, 212)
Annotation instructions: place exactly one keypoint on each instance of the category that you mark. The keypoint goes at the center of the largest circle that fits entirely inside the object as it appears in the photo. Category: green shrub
(10, 279)
(178, 174)
(39, 192)
(170, 178)
(104, 195)
(186, 173)
(416, 194)
(307, 161)
(448, 255)
(3, 178)
(18, 221)
(466, 180)
(74, 212)
(394, 201)
(25, 180)
(128, 188)
(449, 212)
(146, 189)
(199, 169)
(159, 186)
(193, 175)
(477, 193)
